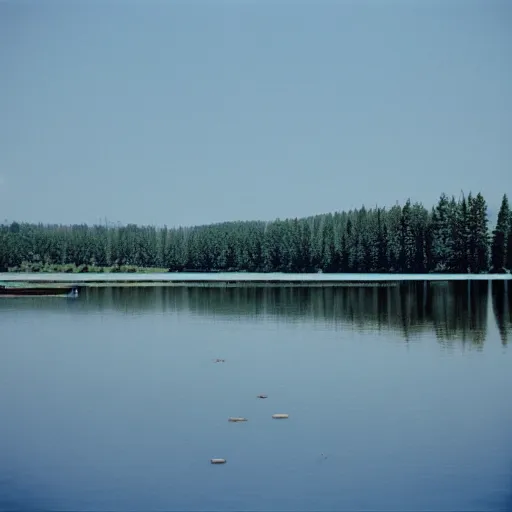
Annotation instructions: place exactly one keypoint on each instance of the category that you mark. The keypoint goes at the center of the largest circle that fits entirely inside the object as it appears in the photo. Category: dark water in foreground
(113, 402)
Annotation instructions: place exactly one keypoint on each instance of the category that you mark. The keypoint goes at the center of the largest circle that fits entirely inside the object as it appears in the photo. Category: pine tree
(500, 238)
(3, 249)
(328, 254)
(382, 242)
(407, 240)
(394, 244)
(508, 264)
(419, 220)
(362, 246)
(429, 240)
(349, 252)
(305, 245)
(462, 241)
(481, 234)
(442, 246)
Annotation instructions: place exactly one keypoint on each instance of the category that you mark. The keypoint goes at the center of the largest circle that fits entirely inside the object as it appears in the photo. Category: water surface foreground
(398, 399)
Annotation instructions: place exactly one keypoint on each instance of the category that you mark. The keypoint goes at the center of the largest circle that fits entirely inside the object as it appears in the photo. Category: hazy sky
(195, 112)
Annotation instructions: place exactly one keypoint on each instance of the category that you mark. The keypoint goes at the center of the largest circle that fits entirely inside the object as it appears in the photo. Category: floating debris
(237, 420)
(279, 416)
(218, 461)
(262, 396)
(219, 360)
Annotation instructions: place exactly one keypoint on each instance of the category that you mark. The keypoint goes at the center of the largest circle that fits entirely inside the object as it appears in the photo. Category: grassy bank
(81, 269)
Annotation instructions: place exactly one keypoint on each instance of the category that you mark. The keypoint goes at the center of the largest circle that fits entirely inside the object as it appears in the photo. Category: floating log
(218, 461)
(279, 416)
(262, 396)
(236, 420)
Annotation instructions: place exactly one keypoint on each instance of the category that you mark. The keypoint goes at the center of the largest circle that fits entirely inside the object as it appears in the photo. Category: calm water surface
(399, 399)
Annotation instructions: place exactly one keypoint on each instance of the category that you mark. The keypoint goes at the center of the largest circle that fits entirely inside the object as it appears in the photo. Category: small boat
(261, 396)
(236, 419)
(280, 416)
(218, 461)
(16, 290)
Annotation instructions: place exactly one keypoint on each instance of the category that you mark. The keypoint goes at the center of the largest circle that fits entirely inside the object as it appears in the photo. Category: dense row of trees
(451, 237)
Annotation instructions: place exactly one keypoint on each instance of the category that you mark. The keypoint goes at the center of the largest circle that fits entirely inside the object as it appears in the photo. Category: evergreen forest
(452, 237)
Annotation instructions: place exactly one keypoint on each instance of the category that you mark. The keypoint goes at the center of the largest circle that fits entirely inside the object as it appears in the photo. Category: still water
(398, 399)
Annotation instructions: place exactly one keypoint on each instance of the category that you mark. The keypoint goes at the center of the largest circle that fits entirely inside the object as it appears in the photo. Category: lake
(399, 398)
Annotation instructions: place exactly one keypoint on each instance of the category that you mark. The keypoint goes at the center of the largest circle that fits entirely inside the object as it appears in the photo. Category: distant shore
(452, 237)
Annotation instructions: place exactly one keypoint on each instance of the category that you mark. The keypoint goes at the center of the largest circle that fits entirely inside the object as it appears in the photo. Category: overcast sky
(195, 112)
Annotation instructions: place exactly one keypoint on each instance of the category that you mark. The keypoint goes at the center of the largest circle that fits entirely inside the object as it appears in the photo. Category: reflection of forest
(502, 307)
(454, 310)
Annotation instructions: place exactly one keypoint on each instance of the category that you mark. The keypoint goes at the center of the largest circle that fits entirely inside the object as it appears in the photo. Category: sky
(184, 113)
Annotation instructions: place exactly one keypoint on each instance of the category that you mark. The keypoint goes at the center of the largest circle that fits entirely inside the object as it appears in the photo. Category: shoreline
(217, 279)
(211, 284)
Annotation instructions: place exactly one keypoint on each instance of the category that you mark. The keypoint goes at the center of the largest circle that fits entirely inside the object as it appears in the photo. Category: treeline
(451, 237)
